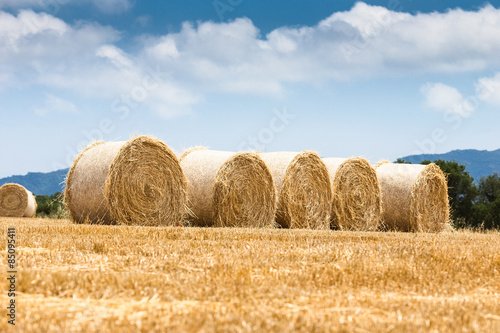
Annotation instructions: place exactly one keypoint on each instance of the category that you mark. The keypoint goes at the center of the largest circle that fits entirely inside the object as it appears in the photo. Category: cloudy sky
(379, 79)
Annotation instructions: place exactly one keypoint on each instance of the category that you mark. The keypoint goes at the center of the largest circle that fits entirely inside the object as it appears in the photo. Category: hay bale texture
(137, 182)
(357, 199)
(227, 189)
(16, 201)
(414, 197)
(304, 189)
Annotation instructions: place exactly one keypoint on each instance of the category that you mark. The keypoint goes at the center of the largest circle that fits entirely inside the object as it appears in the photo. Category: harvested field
(95, 278)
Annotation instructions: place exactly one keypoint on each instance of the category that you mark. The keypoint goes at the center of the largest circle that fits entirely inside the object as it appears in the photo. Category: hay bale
(137, 182)
(227, 189)
(304, 189)
(414, 197)
(16, 201)
(357, 200)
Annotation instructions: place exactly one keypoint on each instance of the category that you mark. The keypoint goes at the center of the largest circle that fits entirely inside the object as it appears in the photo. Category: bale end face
(243, 193)
(16, 201)
(429, 203)
(146, 185)
(357, 202)
(306, 194)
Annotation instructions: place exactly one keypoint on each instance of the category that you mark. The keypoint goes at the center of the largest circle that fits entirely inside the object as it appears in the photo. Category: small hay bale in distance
(227, 189)
(414, 197)
(137, 182)
(304, 189)
(16, 201)
(357, 199)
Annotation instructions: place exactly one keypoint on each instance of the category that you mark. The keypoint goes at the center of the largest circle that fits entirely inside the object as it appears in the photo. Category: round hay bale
(137, 182)
(304, 189)
(414, 197)
(357, 200)
(16, 201)
(227, 189)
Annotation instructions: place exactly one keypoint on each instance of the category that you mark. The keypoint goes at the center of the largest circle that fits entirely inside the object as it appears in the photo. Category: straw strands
(227, 189)
(138, 182)
(304, 189)
(357, 200)
(414, 197)
(16, 201)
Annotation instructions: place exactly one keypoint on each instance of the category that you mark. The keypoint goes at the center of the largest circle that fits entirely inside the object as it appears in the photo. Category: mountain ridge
(478, 163)
(40, 183)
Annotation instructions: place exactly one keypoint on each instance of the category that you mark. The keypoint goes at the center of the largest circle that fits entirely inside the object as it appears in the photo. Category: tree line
(51, 206)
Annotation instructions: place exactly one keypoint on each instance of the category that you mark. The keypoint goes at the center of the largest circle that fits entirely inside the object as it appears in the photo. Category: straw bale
(137, 182)
(414, 197)
(227, 189)
(16, 201)
(304, 189)
(357, 199)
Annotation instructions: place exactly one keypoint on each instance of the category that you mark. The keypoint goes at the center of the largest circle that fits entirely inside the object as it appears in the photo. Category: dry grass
(90, 278)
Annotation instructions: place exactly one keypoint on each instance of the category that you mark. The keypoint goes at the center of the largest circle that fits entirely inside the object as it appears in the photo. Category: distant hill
(478, 162)
(40, 183)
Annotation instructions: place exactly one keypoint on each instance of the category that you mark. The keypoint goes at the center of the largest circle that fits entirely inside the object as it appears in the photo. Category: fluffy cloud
(53, 6)
(112, 6)
(365, 41)
(41, 50)
(56, 104)
(488, 89)
(444, 98)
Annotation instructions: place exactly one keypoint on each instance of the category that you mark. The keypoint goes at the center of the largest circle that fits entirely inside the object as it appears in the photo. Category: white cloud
(488, 89)
(441, 97)
(143, 21)
(57, 105)
(18, 3)
(53, 6)
(112, 6)
(83, 60)
(115, 55)
(365, 41)
(41, 50)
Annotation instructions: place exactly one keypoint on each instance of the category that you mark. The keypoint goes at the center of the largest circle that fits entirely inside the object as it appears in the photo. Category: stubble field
(83, 278)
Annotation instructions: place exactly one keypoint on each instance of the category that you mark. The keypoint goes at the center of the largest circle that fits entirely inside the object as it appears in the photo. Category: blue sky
(379, 79)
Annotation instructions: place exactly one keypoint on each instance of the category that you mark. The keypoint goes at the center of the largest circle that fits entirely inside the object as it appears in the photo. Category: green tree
(487, 210)
(462, 192)
(51, 206)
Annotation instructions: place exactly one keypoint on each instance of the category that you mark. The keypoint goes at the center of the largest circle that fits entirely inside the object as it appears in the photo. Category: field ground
(85, 278)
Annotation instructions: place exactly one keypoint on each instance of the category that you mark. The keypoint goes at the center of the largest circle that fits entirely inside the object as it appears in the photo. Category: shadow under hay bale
(414, 197)
(227, 189)
(357, 199)
(137, 182)
(304, 189)
(16, 201)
